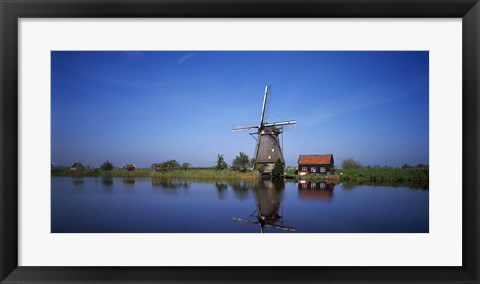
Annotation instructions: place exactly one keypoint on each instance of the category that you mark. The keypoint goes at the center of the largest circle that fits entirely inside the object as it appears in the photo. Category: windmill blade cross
(244, 128)
(281, 227)
(281, 123)
(245, 220)
(266, 137)
(273, 226)
(287, 128)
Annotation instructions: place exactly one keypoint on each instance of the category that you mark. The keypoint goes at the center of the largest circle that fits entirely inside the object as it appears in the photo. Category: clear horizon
(144, 107)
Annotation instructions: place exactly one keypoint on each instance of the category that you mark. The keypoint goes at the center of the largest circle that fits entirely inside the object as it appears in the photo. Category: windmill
(268, 149)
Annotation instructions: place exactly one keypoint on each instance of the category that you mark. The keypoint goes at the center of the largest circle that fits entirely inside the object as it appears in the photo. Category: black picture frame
(12, 10)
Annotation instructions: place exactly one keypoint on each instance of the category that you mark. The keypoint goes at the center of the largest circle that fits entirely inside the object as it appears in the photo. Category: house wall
(156, 167)
(328, 167)
(77, 168)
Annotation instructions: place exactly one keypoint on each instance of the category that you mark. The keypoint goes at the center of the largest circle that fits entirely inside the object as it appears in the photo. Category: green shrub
(241, 162)
(106, 166)
(261, 168)
(278, 170)
(291, 171)
(221, 164)
(350, 164)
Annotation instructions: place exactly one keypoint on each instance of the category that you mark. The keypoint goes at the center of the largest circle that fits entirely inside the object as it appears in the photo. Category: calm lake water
(145, 205)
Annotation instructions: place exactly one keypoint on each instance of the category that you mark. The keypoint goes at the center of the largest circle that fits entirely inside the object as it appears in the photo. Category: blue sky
(144, 107)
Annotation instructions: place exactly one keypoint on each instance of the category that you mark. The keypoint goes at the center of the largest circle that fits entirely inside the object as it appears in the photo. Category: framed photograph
(222, 141)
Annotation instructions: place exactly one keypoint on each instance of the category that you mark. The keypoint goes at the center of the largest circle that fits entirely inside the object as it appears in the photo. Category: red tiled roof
(315, 159)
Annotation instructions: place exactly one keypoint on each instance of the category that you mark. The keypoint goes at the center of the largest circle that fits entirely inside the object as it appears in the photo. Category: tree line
(241, 163)
(350, 163)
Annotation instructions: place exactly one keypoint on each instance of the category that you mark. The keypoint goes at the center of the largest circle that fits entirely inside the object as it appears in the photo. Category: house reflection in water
(77, 181)
(129, 181)
(321, 191)
(269, 212)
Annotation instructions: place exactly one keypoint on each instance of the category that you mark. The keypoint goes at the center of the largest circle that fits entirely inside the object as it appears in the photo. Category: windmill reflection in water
(269, 212)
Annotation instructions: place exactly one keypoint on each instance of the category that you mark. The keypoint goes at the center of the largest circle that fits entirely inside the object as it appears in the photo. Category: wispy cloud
(344, 109)
(319, 117)
(131, 82)
(185, 58)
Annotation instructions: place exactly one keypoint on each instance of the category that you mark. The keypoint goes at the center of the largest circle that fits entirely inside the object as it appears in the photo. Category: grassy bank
(147, 172)
(320, 177)
(369, 175)
(374, 175)
(385, 174)
(190, 173)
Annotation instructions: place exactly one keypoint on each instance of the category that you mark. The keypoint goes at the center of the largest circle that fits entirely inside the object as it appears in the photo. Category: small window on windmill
(273, 149)
(269, 156)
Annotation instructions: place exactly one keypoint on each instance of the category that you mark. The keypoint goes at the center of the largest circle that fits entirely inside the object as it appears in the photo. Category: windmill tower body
(268, 149)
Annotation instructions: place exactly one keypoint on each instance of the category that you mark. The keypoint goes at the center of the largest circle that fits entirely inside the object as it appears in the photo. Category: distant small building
(156, 167)
(77, 167)
(311, 164)
(129, 167)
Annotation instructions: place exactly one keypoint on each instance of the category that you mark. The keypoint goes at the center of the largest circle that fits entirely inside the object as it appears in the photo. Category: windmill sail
(262, 115)
(244, 128)
(282, 123)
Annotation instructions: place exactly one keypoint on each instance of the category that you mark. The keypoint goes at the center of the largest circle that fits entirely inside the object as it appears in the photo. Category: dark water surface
(145, 205)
